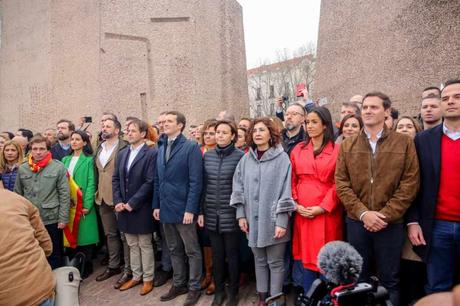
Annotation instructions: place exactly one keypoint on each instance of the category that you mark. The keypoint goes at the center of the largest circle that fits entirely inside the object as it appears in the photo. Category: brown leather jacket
(386, 181)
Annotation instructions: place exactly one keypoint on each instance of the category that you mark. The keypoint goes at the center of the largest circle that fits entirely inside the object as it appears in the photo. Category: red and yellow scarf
(36, 167)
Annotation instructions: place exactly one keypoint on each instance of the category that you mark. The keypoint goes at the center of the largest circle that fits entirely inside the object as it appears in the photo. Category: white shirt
(132, 154)
(73, 163)
(105, 153)
(451, 134)
(373, 143)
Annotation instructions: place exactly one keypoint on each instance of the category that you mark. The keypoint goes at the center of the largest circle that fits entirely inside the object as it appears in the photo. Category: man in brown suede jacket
(377, 178)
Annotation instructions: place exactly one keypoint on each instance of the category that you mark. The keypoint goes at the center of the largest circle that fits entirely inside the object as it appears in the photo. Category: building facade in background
(397, 46)
(267, 82)
(67, 59)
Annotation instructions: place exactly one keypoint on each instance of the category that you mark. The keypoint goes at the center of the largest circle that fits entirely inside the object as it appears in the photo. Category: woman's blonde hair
(19, 159)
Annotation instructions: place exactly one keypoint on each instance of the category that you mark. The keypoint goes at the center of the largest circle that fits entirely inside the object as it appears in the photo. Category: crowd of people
(259, 196)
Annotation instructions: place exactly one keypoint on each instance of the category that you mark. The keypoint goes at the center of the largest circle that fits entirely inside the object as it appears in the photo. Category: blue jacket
(428, 144)
(135, 187)
(178, 182)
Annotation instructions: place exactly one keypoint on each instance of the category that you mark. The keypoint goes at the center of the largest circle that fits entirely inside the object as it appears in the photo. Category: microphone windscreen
(340, 263)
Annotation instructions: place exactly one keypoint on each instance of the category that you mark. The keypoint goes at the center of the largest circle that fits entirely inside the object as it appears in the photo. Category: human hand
(85, 211)
(374, 221)
(61, 225)
(119, 207)
(200, 221)
(188, 218)
(128, 207)
(156, 214)
(314, 211)
(279, 232)
(243, 223)
(415, 234)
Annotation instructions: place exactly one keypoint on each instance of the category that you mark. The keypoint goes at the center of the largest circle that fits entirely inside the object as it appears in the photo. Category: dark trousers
(384, 248)
(55, 259)
(443, 257)
(183, 245)
(225, 245)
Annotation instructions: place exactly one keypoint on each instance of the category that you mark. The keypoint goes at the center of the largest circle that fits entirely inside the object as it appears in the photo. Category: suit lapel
(435, 147)
(177, 147)
(139, 155)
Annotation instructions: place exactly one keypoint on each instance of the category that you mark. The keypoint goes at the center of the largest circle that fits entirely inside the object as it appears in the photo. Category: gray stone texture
(396, 46)
(67, 59)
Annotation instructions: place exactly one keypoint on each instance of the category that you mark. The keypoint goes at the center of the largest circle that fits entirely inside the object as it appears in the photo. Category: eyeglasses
(289, 114)
(209, 133)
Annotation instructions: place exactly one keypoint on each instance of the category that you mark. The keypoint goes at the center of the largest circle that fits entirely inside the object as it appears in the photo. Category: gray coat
(262, 195)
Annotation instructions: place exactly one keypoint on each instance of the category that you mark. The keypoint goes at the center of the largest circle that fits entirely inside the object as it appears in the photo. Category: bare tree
(280, 78)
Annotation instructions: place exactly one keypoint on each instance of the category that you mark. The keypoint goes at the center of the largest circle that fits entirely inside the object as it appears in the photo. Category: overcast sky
(271, 25)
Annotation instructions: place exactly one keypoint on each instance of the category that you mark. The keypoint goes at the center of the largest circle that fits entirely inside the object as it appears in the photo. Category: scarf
(36, 167)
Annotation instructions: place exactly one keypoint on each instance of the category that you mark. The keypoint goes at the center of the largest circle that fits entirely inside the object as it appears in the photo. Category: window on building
(272, 91)
(258, 93)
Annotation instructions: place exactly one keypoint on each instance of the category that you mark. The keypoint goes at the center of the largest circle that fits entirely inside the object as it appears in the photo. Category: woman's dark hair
(361, 124)
(87, 149)
(275, 134)
(326, 119)
(231, 124)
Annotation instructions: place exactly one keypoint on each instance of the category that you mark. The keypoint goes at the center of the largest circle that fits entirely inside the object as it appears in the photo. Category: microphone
(340, 263)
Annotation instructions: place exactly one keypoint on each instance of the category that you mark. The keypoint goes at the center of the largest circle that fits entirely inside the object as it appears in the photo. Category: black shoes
(219, 298)
(161, 277)
(192, 297)
(173, 293)
(108, 274)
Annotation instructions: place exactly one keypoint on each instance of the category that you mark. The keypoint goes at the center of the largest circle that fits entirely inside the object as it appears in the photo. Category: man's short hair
(354, 105)
(70, 124)
(394, 113)
(26, 133)
(304, 111)
(433, 88)
(130, 118)
(180, 118)
(38, 138)
(110, 114)
(116, 123)
(450, 82)
(385, 99)
(141, 125)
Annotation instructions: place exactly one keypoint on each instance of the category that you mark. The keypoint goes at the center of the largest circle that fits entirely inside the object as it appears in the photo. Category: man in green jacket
(43, 182)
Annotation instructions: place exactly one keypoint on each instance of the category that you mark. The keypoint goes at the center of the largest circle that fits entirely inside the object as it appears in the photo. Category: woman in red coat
(319, 213)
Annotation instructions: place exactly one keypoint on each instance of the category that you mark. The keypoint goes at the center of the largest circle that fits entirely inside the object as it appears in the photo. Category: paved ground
(102, 293)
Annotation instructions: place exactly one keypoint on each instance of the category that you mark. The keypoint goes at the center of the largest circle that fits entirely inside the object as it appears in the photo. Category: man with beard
(105, 161)
(62, 147)
(294, 131)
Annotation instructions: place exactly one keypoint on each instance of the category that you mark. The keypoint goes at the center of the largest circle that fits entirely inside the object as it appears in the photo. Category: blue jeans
(443, 256)
(48, 302)
(302, 276)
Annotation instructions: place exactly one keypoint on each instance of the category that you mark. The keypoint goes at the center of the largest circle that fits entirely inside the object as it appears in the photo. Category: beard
(62, 136)
(106, 136)
(290, 126)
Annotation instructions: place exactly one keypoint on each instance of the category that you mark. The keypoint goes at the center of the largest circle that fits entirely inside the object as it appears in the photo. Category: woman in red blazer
(319, 213)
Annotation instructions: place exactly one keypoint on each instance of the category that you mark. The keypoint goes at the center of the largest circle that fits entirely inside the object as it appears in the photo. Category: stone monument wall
(396, 46)
(67, 59)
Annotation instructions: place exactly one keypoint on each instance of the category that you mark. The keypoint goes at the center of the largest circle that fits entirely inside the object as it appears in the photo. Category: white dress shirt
(132, 155)
(105, 153)
(373, 143)
(454, 135)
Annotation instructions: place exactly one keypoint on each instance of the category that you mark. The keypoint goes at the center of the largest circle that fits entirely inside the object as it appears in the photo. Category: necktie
(168, 149)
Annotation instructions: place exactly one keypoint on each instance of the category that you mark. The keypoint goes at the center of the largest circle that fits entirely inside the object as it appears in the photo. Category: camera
(360, 294)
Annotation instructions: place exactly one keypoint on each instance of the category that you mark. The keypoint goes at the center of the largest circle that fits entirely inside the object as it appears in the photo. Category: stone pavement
(94, 293)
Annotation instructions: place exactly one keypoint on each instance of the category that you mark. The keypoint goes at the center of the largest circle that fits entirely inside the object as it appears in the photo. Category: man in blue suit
(434, 218)
(177, 191)
(132, 196)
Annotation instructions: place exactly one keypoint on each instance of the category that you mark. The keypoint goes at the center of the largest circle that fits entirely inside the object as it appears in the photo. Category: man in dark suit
(177, 191)
(132, 193)
(434, 218)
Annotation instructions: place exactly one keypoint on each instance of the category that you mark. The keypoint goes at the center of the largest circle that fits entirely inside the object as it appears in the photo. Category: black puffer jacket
(219, 166)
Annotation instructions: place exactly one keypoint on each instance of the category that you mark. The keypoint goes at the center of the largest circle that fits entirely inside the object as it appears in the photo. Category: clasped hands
(310, 212)
(122, 206)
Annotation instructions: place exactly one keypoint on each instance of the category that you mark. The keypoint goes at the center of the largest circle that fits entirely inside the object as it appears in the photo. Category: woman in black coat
(219, 216)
